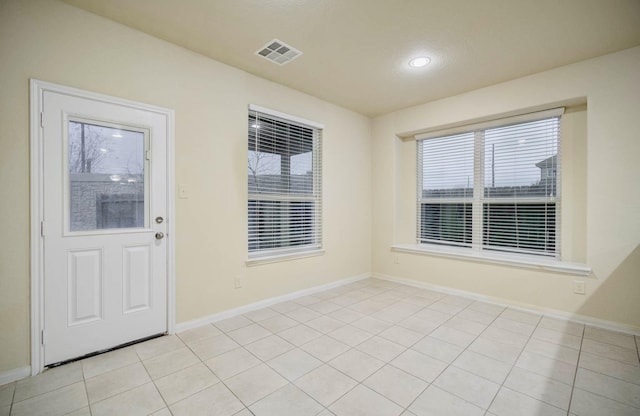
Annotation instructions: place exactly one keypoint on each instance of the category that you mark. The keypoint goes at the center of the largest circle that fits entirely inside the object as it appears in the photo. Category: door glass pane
(106, 177)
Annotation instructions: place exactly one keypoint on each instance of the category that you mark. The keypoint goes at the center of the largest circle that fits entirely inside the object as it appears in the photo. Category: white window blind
(494, 188)
(446, 190)
(284, 186)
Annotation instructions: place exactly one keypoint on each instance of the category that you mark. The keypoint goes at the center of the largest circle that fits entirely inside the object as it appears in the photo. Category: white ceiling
(356, 52)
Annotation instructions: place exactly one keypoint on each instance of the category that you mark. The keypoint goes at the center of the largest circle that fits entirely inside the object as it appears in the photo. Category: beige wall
(601, 221)
(54, 42)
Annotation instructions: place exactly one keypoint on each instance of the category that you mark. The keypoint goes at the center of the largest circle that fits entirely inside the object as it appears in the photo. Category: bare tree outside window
(85, 153)
(263, 168)
(99, 149)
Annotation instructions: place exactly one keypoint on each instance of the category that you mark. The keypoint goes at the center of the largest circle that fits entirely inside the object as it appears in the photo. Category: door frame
(37, 89)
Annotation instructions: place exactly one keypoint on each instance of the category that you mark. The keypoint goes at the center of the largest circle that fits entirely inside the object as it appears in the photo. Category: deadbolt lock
(159, 220)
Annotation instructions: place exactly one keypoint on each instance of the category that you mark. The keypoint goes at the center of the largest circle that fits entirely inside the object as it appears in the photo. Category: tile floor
(371, 348)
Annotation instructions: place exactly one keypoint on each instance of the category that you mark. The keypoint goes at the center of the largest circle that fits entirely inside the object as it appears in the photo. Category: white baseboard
(14, 375)
(230, 313)
(552, 313)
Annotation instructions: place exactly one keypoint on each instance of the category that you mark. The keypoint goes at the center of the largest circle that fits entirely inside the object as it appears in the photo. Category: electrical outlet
(396, 259)
(237, 283)
(579, 287)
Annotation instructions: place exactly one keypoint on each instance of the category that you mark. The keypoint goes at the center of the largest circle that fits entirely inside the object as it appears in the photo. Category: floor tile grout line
(86, 390)
(575, 371)
(634, 407)
(431, 383)
(361, 383)
(43, 393)
(609, 375)
(533, 398)
(220, 380)
(575, 374)
(502, 385)
(199, 391)
(554, 343)
(349, 349)
(428, 334)
(458, 356)
(346, 392)
(292, 382)
(614, 345)
(166, 405)
(188, 344)
(612, 359)
(234, 395)
(141, 362)
(467, 347)
(13, 396)
(385, 362)
(405, 372)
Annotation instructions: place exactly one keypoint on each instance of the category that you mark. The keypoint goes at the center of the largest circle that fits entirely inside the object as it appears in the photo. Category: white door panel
(136, 278)
(105, 272)
(84, 286)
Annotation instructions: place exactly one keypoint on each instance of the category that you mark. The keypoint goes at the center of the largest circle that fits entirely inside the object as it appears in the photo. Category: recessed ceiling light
(117, 135)
(419, 62)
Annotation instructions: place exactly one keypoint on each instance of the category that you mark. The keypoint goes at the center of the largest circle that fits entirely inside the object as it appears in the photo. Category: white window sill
(532, 262)
(275, 258)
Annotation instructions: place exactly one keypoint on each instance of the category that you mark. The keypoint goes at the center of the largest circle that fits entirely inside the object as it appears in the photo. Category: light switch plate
(183, 191)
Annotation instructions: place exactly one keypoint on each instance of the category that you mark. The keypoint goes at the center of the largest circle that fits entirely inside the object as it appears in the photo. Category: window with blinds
(446, 190)
(284, 184)
(492, 187)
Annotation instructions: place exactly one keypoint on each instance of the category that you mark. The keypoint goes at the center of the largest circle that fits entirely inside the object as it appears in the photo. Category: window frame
(288, 252)
(477, 247)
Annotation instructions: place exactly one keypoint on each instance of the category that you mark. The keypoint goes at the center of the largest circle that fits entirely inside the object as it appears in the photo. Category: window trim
(476, 249)
(282, 256)
(279, 254)
(497, 122)
(285, 116)
(509, 259)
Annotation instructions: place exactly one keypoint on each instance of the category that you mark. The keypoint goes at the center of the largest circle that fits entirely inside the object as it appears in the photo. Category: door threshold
(93, 354)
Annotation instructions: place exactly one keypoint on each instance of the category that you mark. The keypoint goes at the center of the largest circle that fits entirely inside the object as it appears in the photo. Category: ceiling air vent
(278, 52)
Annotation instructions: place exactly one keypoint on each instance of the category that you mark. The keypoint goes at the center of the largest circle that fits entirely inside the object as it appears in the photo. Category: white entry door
(105, 225)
